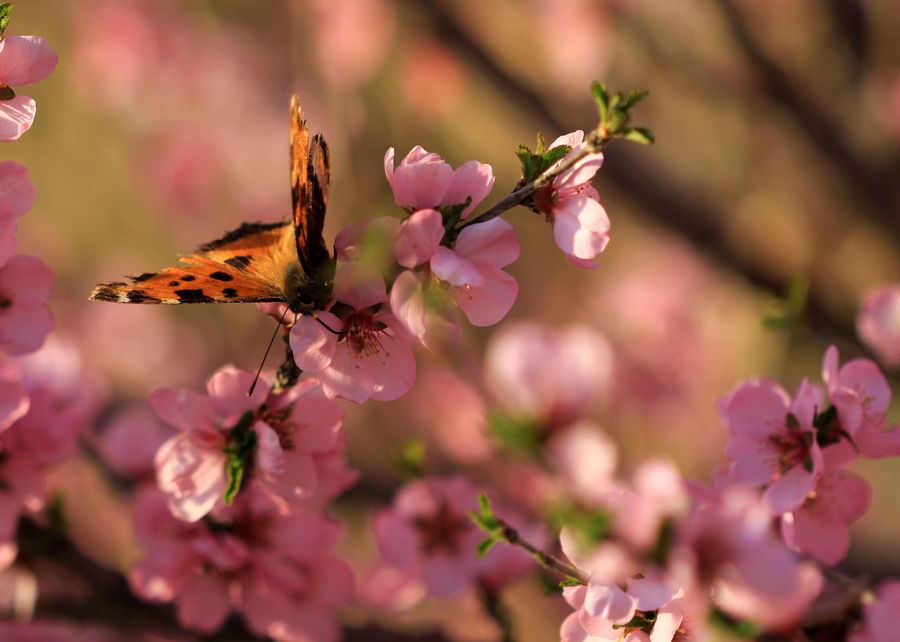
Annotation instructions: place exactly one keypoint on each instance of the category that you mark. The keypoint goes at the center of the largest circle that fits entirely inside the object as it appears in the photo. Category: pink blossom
(727, 546)
(23, 60)
(820, 527)
(63, 400)
(16, 199)
(880, 615)
(861, 395)
(288, 430)
(773, 441)
(585, 460)
(618, 590)
(277, 571)
(427, 534)
(22, 491)
(362, 354)
(423, 180)
(878, 322)
(470, 274)
(14, 402)
(130, 440)
(580, 224)
(25, 319)
(553, 376)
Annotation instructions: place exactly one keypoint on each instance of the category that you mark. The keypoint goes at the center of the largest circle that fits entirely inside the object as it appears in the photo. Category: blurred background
(776, 171)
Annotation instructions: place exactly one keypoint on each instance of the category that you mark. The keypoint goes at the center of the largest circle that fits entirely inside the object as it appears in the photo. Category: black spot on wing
(143, 277)
(188, 277)
(240, 262)
(174, 283)
(221, 276)
(192, 296)
(229, 293)
(139, 296)
(246, 229)
(105, 293)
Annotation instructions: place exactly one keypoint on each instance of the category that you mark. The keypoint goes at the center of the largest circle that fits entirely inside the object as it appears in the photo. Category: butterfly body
(286, 261)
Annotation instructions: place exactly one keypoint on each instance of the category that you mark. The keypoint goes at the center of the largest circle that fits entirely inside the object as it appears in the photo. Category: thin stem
(493, 605)
(594, 143)
(511, 536)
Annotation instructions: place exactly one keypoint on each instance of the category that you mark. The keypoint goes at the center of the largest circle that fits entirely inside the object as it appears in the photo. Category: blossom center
(443, 530)
(5, 301)
(545, 199)
(279, 420)
(364, 334)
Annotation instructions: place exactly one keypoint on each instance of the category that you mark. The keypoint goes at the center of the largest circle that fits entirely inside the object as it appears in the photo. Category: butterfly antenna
(265, 356)
(331, 330)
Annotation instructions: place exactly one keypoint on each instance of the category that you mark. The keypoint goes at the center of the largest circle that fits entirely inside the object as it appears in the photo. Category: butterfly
(257, 262)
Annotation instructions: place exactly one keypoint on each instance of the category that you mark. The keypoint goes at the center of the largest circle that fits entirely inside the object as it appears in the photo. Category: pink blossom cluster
(278, 571)
(795, 448)
(673, 554)
(428, 545)
(42, 409)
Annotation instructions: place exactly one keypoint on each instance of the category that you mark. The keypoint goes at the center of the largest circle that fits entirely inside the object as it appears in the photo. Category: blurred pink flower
(64, 399)
(24, 60)
(432, 78)
(656, 494)
(14, 400)
(288, 429)
(553, 376)
(49, 631)
(580, 224)
(351, 38)
(880, 615)
(25, 319)
(277, 571)
(363, 355)
(820, 527)
(427, 534)
(22, 490)
(129, 442)
(455, 414)
(16, 199)
(725, 548)
(878, 322)
(861, 394)
(585, 460)
(773, 441)
(423, 180)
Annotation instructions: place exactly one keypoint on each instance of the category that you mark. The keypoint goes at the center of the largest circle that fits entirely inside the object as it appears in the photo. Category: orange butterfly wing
(310, 186)
(247, 265)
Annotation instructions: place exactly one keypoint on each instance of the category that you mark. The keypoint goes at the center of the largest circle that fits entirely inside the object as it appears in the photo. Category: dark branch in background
(873, 184)
(849, 19)
(670, 205)
(110, 602)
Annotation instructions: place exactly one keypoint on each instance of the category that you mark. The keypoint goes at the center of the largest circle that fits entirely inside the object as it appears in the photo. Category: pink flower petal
(492, 243)
(471, 179)
(416, 240)
(16, 190)
(26, 279)
(25, 60)
(789, 492)
(489, 303)
(227, 389)
(314, 346)
(449, 266)
(203, 605)
(421, 185)
(348, 376)
(393, 369)
(16, 117)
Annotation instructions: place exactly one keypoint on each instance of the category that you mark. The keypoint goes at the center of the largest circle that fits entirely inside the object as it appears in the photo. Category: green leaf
(522, 436)
(633, 98)
(485, 546)
(785, 313)
(487, 523)
(484, 503)
(734, 628)
(5, 10)
(601, 97)
(569, 582)
(640, 135)
(554, 155)
(451, 214)
(541, 145)
(409, 459)
(238, 455)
